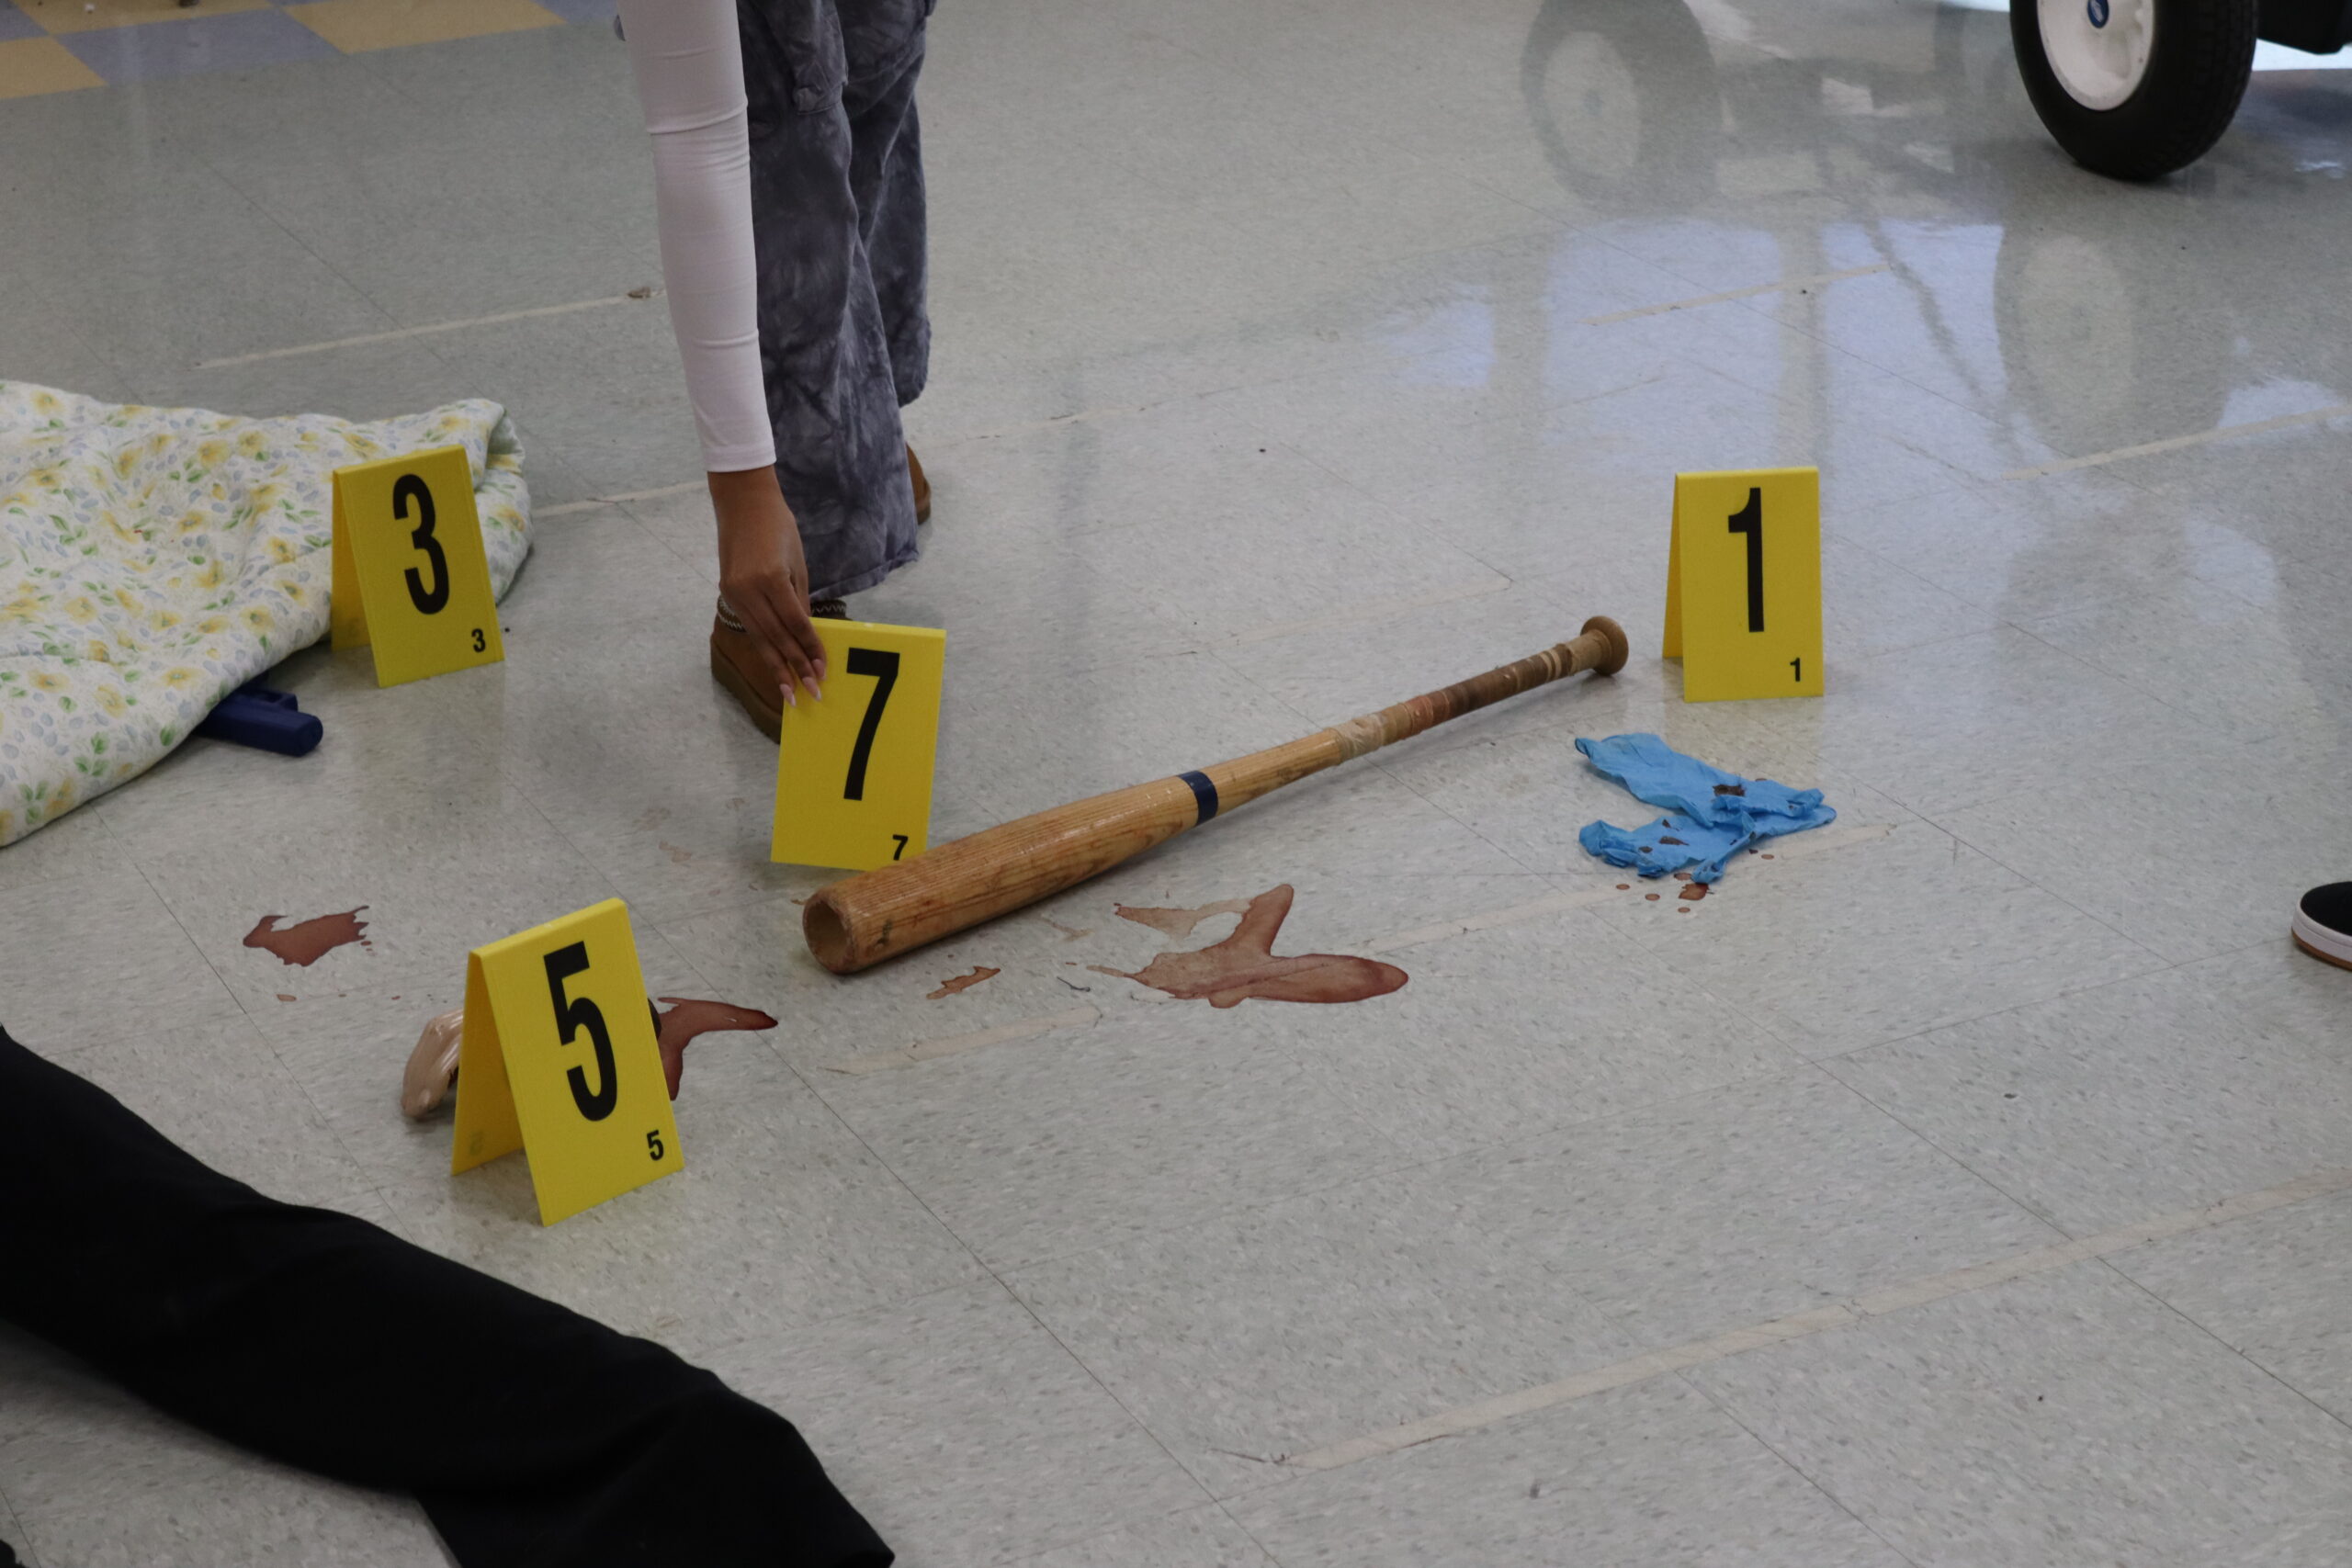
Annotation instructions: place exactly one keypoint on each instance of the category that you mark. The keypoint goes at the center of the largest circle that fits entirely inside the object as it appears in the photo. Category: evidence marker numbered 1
(558, 1059)
(1743, 584)
(854, 771)
(411, 576)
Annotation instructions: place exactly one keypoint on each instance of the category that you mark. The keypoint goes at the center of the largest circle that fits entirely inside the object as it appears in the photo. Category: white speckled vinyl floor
(1965, 1187)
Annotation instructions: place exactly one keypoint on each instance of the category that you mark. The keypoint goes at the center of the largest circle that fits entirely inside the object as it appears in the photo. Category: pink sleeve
(689, 62)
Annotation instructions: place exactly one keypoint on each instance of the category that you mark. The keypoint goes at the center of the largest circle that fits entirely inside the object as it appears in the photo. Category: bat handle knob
(1601, 647)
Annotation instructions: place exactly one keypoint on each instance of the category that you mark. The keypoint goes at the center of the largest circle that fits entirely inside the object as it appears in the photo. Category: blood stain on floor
(1650, 897)
(1178, 923)
(964, 982)
(1244, 964)
(306, 942)
(1694, 891)
(1070, 934)
(687, 1017)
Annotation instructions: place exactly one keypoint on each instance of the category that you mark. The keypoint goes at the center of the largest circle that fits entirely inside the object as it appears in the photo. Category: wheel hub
(2098, 49)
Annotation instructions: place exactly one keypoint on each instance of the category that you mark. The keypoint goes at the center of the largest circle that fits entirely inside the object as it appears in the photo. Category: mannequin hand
(764, 579)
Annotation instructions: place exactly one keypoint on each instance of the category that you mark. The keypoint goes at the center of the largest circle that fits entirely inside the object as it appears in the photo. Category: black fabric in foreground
(534, 1437)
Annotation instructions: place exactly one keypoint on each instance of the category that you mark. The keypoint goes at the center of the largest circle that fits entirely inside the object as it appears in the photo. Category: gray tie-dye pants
(837, 205)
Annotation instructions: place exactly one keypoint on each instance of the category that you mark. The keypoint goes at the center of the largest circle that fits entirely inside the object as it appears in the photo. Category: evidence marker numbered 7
(410, 576)
(558, 1059)
(1743, 585)
(853, 770)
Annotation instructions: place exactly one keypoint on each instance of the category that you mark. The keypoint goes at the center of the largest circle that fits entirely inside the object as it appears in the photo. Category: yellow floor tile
(88, 16)
(34, 65)
(352, 25)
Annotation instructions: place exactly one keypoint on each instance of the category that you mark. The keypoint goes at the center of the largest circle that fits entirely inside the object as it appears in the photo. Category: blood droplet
(964, 982)
(688, 1017)
(307, 943)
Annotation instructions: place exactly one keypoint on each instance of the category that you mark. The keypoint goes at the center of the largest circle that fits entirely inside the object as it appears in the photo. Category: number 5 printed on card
(558, 1059)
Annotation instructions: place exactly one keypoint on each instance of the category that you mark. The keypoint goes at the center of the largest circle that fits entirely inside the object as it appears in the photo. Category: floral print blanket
(152, 560)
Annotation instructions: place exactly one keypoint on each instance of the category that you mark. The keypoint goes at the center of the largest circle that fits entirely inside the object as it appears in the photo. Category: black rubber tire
(2196, 72)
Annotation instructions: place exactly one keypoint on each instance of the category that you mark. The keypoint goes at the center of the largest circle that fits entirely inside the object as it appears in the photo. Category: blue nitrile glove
(1713, 814)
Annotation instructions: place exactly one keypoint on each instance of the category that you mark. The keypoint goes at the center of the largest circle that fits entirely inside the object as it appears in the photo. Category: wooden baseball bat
(859, 921)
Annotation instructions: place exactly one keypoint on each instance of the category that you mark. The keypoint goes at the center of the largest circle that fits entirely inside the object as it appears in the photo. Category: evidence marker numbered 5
(1743, 595)
(558, 1059)
(854, 771)
(411, 576)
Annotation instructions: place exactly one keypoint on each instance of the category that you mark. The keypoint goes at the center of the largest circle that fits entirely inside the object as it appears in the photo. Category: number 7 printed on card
(854, 771)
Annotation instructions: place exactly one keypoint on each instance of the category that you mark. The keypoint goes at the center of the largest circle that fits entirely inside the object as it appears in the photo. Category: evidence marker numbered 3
(854, 771)
(411, 575)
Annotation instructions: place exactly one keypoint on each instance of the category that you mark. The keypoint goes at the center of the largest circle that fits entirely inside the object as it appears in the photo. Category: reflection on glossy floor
(1295, 356)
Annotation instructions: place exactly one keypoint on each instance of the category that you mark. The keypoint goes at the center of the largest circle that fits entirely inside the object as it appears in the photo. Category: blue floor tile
(236, 42)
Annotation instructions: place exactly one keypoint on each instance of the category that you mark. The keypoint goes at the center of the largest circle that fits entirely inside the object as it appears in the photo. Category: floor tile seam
(215, 169)
(1529, 1143)
(2018, 1205)
(1895, 434)
(2165, 1304)
(2163, 966)
(1175, 1513)
(1767, 1026)
(2164, 447)
(970, 1252)
(1819, 1484)
(1913, 648)
(1837, 533)
(2165, 960)
(2122, 678)
(1405, 1162)
(1933, 314)
(989, 374)
(1852, 1312)
(1386, 767)
(188, 937)
(1199, 1483)
(420, 332)
(2024, 1205)
(704, 1351)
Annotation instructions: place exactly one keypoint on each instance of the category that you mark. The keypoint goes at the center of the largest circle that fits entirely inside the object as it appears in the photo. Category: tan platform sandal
(735, 664)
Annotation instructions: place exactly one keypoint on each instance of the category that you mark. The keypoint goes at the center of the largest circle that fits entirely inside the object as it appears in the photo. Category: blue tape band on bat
(1204, 794)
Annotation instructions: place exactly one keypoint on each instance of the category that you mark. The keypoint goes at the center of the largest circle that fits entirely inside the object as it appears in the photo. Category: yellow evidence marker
(1743, 584)
(852, 777)
(558, 1060)
(409, 575)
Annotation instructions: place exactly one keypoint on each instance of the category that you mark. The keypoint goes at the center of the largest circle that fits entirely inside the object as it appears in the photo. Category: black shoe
(2323, 924)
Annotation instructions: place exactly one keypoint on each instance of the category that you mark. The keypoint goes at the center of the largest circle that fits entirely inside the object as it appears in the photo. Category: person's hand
(764, 579)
